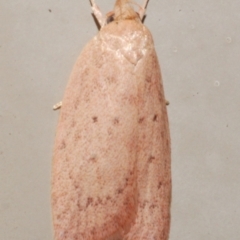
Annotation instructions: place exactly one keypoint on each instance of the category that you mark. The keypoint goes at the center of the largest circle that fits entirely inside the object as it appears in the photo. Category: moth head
(123, 10)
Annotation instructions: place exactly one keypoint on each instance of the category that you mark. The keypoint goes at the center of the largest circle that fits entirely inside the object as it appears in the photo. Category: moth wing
(111, 172)
(94, 163)
(153, 162)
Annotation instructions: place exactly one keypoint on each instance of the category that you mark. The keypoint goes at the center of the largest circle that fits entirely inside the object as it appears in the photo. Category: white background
(198, 44)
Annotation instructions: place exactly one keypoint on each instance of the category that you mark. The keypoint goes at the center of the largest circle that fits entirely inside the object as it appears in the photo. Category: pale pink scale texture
(111, 165)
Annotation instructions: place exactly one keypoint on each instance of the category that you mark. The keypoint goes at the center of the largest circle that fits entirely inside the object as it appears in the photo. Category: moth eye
(110, 18)
(139, 15)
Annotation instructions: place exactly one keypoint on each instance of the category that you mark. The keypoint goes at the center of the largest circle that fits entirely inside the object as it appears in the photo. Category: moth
(111, 174)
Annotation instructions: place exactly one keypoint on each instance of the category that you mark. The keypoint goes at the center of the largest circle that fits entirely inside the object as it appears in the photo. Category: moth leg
(142, 10)
(97, 13)
(57, 106)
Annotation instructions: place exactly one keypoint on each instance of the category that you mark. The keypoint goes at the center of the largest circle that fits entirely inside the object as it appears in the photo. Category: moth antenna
(97, 13)
(142, 9)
